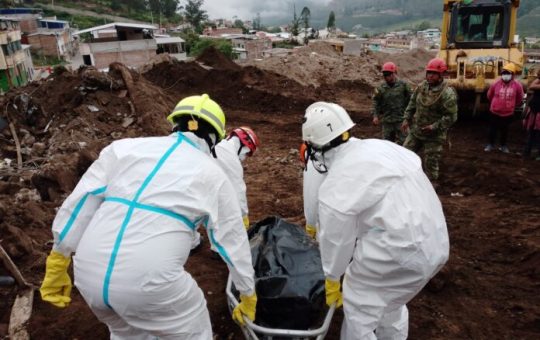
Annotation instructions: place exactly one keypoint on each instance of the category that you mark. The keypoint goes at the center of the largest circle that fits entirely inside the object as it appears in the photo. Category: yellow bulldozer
(478, 37)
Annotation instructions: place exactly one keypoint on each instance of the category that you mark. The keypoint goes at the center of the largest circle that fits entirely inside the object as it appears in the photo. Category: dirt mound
(61, 125)
(319, 64)
(411, 64)
(322, 48)
(234, 88)
(213, 58)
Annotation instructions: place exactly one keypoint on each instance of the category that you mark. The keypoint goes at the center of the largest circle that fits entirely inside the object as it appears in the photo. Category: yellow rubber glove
(333, 293)
(246, 307)
(311, 230)
(246, 221)
(56, 286)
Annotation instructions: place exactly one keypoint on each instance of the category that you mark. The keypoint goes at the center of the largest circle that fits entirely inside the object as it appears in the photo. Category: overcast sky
(247, 9)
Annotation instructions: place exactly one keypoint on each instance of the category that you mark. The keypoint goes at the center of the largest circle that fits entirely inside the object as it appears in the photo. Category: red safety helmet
(436, 65)
(247, 138)
(389, 67)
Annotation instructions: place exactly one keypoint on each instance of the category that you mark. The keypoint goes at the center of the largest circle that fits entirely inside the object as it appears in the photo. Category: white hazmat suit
(377, 207)
(131, 221)
(312, 181)
(231, 163)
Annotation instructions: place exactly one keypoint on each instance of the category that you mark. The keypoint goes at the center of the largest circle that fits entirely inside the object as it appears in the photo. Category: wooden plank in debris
(20, 315)
(12, 268)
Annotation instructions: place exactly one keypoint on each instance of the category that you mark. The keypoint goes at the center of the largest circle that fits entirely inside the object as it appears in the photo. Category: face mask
(319, 164)
(243, 153)
(506, 77)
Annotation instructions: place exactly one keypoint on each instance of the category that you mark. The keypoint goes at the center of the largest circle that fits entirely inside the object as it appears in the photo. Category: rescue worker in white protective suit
(312, 180)
(130, 221)
(242, 142)
(377, 207)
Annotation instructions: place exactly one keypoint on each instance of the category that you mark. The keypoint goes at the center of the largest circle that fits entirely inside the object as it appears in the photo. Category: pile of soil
(411, 64)
(488, 289)
(213, 58)
(232, 87)
(318, 64)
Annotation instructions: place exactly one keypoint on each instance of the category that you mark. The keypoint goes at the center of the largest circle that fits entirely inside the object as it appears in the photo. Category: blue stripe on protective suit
(132, 206)
(219, 247)
(77, 210)
(157, 210)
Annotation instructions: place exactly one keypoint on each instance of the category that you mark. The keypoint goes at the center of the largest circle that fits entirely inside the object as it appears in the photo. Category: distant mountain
(359, 16)
(379, 15)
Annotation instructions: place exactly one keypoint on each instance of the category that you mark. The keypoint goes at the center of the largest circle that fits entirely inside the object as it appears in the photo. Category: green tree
(295, 24)
(257, 22)
(305, 15)
(195, 15)
(115, 5)
(331, 25)
(170, 8)
(167, 8)
(240, 24)
(191, 38)
(134, 5)
(424, 25)
(224, 46)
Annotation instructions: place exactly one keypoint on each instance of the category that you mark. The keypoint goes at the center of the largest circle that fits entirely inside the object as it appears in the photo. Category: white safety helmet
(323, 122)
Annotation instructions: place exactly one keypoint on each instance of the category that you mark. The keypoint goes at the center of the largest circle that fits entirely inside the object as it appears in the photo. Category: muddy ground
(488, 290)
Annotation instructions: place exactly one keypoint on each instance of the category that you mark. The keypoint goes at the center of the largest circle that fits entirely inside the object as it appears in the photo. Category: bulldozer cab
(480, 25)
(477, 41)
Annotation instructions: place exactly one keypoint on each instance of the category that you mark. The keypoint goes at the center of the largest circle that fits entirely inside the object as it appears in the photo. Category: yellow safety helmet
(202, 107)
(510, 67)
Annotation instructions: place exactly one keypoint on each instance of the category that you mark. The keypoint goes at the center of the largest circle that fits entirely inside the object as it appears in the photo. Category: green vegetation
(285, 44)
(42, 60)
(331, 24)
(78, 21)
(295, 24)
(224, 46)
(190, 38)
(195, 15)
(305, 15)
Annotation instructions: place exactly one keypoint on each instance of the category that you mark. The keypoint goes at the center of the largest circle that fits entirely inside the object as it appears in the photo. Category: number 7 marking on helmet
(330, 126)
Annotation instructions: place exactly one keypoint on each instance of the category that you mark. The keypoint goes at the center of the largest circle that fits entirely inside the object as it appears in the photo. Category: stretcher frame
(250, 329)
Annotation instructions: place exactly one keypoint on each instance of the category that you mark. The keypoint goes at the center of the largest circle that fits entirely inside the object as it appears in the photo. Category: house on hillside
(174, 46)
(221, 31)
(130, 44)
(47, 36)
(53, 38)
(27, 17)
(13, 63)
(250, 46)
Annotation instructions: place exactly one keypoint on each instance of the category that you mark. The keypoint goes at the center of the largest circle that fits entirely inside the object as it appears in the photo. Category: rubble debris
(494, 267)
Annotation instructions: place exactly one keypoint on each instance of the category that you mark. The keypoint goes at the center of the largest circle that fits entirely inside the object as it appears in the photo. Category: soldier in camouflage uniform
(431, 112)
(389, 103)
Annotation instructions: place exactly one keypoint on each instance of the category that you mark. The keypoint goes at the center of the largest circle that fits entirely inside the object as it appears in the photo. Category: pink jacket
(505, 97)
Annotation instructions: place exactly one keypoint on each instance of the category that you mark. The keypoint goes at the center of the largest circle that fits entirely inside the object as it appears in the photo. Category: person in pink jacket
(505, 95)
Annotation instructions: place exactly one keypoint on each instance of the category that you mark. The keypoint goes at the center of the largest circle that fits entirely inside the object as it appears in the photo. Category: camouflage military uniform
(388, 105)
(438, 107)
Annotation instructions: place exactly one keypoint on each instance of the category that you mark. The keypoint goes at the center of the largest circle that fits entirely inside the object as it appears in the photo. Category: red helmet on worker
(247, 137)
(389, 67)
(436, 65)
